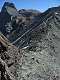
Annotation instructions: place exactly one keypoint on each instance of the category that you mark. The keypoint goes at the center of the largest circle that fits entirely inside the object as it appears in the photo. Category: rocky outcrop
(8, 10)
(9, 58)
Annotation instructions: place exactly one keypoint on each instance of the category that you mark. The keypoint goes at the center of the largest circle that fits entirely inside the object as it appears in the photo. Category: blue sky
(41, 5)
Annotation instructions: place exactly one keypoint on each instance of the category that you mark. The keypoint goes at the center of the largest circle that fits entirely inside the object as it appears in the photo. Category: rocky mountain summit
(14, 21)
(30, 43)
(9, 58)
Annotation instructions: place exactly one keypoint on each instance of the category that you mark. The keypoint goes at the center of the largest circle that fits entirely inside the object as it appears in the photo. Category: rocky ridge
(36, 37)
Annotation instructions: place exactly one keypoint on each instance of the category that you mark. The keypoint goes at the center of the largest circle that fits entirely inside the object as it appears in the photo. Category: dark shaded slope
(8, 10)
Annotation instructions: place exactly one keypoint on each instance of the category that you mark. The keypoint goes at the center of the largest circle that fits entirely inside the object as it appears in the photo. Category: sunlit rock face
(40, 61)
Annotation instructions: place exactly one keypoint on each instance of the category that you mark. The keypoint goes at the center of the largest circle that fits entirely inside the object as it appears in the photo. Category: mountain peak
(9, 8)
(9, 4)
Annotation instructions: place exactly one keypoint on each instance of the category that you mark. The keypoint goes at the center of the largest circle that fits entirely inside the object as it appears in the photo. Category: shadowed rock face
(7, 11)
(9, 8)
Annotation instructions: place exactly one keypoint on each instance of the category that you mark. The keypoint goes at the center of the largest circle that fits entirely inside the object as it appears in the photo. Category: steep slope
(9, 59)
(41, 59)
